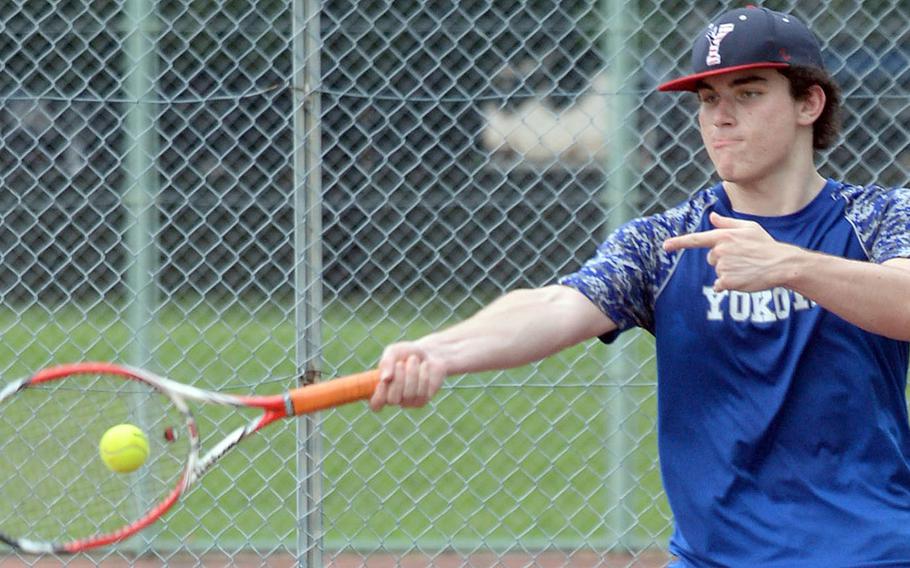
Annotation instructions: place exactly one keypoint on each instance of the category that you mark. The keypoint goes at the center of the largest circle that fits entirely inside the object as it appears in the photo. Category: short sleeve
(881, 219)
(619, 277)
(893, 236)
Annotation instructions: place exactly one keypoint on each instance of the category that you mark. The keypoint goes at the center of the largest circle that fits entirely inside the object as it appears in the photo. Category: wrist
(796, 263)
(433, 347)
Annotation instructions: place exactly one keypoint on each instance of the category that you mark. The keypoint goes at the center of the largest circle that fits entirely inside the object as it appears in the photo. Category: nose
(723, 113)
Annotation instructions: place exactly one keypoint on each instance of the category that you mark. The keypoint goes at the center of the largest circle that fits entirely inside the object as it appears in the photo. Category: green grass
(495, 459)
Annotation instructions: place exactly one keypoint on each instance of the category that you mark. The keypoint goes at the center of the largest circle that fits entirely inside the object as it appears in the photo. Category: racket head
(56, 494)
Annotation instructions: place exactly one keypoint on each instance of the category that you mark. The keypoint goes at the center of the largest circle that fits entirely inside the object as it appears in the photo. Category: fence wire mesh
(158, 207)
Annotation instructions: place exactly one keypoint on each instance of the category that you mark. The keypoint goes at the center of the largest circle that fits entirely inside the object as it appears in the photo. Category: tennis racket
(56, 495)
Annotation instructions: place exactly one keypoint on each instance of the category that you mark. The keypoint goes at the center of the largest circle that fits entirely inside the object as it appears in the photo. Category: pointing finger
(705, 239)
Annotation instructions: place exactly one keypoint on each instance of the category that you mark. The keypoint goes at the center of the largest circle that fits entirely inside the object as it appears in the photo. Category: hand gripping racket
(57, 496)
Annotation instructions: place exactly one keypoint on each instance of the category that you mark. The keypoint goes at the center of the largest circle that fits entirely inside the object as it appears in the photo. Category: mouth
(725, 143)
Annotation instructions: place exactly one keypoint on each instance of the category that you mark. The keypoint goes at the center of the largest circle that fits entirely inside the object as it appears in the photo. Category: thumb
(392, 355)
(722, 222)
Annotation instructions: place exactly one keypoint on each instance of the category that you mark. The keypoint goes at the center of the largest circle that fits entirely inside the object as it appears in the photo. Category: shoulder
(871, 199)
(880, 218)
(682, 218)
(640, 241)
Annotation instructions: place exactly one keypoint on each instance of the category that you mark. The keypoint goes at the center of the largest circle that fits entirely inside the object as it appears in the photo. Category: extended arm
(518, 328)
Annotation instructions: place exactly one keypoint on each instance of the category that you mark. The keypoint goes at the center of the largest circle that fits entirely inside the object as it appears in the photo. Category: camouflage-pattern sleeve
(618, 278)
(629, 269)
(881, 219)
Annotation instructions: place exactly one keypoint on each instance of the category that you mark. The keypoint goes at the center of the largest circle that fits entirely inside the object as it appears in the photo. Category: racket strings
(53, 484)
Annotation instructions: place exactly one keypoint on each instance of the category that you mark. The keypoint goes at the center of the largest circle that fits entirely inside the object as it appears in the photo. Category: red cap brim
(688, 82)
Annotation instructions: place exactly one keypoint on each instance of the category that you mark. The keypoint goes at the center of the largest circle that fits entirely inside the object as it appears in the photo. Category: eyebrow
(735, 83)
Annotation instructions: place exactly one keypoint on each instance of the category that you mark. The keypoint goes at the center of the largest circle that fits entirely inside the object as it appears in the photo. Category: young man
(780, 303)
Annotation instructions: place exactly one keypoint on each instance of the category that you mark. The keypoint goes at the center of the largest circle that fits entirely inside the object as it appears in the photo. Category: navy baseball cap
(749, 38)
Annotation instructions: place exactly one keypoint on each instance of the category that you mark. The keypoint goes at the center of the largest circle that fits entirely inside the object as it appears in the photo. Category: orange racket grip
(336, 392)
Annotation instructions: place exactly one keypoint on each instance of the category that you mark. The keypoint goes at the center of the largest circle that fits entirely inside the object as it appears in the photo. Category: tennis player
(780, 304)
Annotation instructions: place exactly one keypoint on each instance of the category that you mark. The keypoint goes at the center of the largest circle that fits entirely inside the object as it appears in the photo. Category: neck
(783, 192)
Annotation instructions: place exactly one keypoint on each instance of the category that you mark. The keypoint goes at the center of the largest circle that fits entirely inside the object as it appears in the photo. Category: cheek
(703, 130)
(772, 133)
(704, 127)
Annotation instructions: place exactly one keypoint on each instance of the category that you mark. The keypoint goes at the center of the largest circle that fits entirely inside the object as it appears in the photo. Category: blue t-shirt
(782, 429)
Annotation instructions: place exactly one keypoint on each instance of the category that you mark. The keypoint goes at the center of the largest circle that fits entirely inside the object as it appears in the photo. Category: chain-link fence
(235, 192)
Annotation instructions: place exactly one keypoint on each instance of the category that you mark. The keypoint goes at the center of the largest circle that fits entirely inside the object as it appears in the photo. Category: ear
(810, 107)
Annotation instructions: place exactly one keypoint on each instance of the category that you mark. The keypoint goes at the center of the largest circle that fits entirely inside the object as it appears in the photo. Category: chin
(727, 169)
(737, 180)
(731, 178)
(733, 173)
(728, 174)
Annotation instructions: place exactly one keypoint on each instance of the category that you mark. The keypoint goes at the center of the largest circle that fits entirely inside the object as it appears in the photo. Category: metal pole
(308, 270)
(618, 50)
(141, 178)
(140, 140)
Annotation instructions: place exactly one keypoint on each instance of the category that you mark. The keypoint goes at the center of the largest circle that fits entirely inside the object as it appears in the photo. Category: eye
(707, 98)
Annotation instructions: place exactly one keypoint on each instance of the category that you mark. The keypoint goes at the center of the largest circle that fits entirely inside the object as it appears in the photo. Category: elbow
(896, 326)
(894, 323)
(903, 330)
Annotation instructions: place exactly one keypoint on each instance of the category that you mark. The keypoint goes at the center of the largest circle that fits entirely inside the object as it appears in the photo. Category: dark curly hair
(827, 127)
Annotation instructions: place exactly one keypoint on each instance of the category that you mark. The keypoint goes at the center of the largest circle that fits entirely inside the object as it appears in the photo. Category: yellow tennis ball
(124, 448)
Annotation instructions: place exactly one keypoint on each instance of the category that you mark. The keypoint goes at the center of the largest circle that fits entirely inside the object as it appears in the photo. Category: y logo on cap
(716, 34)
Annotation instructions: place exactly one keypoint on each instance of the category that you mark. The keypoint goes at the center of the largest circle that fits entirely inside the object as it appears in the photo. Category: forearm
(518, 328)
(875, 297)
